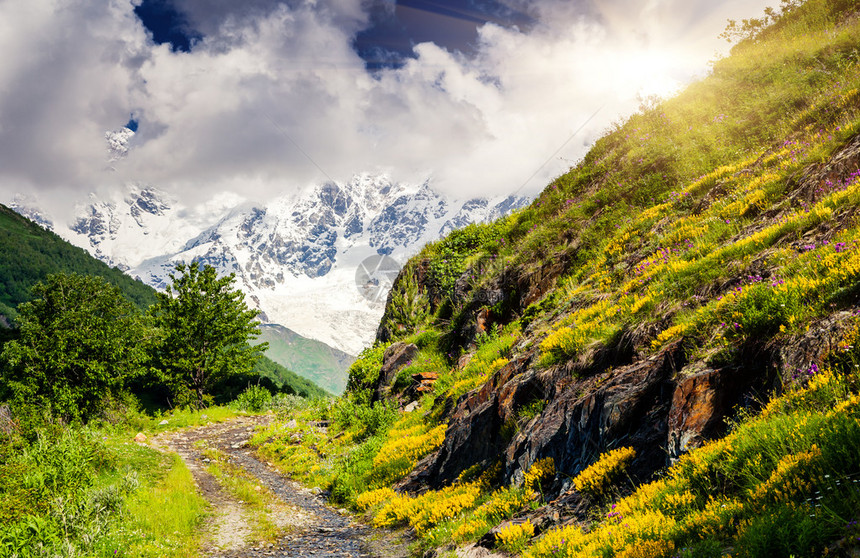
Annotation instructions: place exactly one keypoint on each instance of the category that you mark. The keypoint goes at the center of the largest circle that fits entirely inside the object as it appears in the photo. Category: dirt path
(312, 528)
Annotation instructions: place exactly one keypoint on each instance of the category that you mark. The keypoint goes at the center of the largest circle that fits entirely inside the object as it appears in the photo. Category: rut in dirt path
(313, 528)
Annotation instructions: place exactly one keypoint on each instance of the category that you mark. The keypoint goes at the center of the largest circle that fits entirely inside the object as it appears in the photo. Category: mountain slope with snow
(295, 257)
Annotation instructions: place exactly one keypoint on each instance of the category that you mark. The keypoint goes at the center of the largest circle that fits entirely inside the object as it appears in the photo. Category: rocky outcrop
(699, 405)
(798, 359)
(395, 357)
(628, 406)
(659, 405)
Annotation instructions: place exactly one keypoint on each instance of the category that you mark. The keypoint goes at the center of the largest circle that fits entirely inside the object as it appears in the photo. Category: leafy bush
(354, 413)
(255, 398)
(364, 372)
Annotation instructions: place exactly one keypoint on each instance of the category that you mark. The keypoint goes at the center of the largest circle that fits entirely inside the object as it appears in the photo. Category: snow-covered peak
(117, 143)
(139, 224)
(28, 206)
(294, 256)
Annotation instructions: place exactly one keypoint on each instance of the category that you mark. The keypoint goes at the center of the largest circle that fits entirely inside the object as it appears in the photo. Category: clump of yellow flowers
(598, 477)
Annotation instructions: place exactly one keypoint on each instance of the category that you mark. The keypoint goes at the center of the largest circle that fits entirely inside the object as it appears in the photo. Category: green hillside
(659, 356)
(29, 253)
(324, 365)
(287, 380)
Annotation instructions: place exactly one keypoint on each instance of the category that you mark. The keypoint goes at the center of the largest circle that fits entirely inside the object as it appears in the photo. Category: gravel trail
(313, 529)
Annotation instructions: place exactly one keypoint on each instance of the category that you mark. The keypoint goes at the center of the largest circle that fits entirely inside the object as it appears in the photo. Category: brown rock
(699, 405)
(483, 319)
(464, 360)
(140, 438)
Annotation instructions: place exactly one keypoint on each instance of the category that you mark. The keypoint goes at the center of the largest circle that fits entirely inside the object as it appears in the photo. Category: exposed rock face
(659, 405)
(699, 404)
(629, 407)
(395, 357)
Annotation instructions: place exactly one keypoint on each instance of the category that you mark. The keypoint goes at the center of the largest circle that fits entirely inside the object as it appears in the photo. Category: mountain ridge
(295, 256)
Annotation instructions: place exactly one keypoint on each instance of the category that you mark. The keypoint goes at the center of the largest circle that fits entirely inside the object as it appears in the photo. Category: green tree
(80, 341)
(205, 329)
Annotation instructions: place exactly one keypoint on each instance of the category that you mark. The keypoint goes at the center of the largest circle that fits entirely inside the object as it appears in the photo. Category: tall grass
(81, 492)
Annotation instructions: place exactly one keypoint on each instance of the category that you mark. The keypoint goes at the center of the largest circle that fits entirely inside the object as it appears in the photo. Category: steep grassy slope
(683, 305)
(287, 380)
(29, 253)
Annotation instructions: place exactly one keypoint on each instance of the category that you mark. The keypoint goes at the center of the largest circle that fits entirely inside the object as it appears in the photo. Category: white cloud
(274, 97)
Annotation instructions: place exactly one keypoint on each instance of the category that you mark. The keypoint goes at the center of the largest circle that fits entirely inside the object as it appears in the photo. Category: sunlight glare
(651, 72)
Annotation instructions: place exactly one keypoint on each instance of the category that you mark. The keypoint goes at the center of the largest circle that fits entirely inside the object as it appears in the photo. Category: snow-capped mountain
(141, 224)
(295, 257)
(117, 143)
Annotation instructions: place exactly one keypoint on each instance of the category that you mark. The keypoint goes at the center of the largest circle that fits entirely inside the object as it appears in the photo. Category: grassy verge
(785, 482)
(77, 491)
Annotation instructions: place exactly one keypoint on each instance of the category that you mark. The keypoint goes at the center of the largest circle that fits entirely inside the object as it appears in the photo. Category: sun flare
(652, 72)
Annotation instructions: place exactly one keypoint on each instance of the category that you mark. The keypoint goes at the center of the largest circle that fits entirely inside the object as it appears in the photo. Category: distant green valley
(314, 360)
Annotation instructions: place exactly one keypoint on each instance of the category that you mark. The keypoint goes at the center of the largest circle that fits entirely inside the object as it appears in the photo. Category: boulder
(395, 357)
(627, 406)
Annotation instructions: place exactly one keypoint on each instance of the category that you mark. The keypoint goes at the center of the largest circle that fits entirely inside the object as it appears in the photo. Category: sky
(263, 97)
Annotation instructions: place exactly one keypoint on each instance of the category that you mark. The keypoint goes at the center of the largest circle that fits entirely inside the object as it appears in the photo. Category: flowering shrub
(502, 504)
(598, 477)
(648, 549)
(791, 479)
(541, 472)
(580, 329)
(513, 536)
(373, 498)
(411, 444)
(429, 509)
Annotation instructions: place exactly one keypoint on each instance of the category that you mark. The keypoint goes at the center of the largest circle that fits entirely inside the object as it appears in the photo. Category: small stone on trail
(140, 438)
(163, 422)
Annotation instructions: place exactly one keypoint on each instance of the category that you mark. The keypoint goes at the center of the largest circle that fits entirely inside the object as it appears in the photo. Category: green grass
(164, 518)
(785, 482)
(257, 501)
(311, 360)
(87, 492)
